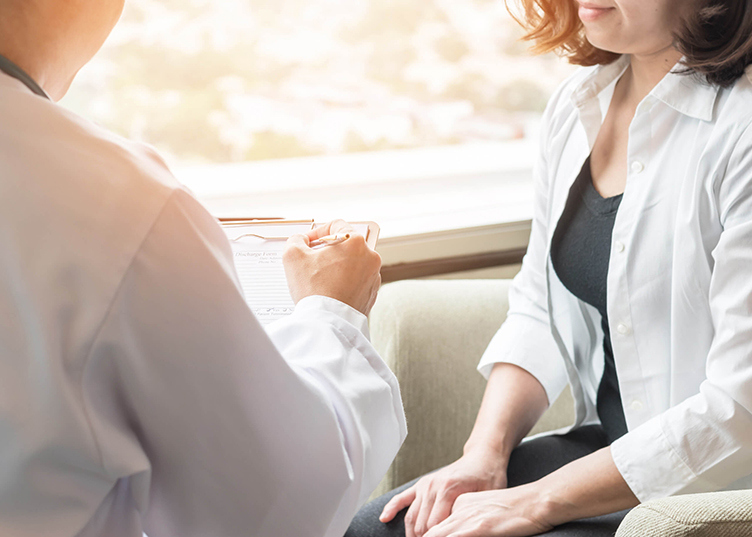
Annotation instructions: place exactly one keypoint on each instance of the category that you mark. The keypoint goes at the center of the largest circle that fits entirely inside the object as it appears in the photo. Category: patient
(635, 290)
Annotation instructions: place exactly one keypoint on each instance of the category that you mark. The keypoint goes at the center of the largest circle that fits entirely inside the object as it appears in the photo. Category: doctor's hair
(715, 38)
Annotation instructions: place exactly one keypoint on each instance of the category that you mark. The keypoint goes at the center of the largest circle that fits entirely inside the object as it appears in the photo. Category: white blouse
(137, 390)
(679, 283)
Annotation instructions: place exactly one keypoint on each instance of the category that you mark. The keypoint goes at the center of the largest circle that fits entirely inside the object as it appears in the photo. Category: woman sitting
(636, 289)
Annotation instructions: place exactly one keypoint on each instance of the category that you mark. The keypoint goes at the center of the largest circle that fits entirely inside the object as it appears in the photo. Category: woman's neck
(646, 71)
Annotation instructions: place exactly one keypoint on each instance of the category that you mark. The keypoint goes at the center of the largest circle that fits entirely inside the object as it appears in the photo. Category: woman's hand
(515, 512)
(512, 403)
(431, 499)
(587, 487)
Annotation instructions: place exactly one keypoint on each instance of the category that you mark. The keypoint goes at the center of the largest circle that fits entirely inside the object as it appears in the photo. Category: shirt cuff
(531, 348)
(317, 304)
(651, 466)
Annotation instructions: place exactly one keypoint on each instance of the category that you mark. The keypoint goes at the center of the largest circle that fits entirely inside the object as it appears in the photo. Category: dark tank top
(580, 253)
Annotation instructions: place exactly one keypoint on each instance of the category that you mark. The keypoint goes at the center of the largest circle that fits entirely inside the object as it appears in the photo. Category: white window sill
(435, 203)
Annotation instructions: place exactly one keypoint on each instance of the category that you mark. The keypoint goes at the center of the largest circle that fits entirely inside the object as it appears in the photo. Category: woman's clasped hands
(514, 512)
(468, 498)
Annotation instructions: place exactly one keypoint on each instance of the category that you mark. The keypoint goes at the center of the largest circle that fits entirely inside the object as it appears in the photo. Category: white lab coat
(679, 283)
(137, 390)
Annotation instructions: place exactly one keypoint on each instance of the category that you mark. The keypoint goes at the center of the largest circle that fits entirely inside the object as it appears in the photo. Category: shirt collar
(685, 93)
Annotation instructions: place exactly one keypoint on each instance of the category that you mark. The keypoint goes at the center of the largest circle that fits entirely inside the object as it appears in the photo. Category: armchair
(432, 334)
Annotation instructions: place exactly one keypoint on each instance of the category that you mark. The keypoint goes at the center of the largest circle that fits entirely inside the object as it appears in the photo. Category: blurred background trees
(237, 80)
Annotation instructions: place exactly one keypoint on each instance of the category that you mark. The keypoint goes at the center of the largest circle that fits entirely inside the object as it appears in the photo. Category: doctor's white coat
(137, 390)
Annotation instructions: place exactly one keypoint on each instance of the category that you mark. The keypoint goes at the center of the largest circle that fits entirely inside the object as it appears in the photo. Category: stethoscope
(13, 70)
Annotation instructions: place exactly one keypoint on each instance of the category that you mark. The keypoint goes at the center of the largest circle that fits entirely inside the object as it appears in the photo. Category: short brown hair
(716, 38)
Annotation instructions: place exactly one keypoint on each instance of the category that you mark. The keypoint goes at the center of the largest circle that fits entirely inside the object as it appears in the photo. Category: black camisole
(580, 253)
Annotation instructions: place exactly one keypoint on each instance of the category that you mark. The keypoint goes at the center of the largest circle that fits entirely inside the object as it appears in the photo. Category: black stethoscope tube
(11, 69)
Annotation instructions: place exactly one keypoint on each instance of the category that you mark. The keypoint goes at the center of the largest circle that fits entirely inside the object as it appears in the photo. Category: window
(428, 97)
(238, 80)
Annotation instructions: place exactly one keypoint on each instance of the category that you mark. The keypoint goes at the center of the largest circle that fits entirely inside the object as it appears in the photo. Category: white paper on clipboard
(257, 248)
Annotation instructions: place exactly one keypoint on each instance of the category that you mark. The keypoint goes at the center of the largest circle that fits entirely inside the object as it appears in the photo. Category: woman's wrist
(547, 504)
(588, 487)
(497, 441)
(493, 462)
(494, 449)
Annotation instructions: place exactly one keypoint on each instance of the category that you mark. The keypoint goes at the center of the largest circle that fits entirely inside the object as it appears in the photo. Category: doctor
(137, 390)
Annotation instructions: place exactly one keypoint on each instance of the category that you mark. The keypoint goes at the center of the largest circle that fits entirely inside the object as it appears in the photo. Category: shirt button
(637, 166)
(636, 405)
(619, 246)
(623, 329)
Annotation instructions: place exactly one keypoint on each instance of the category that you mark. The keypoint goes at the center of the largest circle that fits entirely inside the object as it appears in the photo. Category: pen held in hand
(330, 240)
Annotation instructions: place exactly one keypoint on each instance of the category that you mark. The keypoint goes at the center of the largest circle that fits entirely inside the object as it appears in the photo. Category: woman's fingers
(502, 513)
(459, 524)
(426, 506)
(398, 503)
(411, 516)
(442, 508)
(454, 528)
(432, 499)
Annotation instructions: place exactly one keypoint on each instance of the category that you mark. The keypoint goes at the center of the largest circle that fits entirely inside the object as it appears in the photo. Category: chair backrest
(432, 334)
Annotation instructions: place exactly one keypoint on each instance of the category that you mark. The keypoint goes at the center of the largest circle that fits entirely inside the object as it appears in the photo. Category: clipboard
(370, 230)
(257, 248)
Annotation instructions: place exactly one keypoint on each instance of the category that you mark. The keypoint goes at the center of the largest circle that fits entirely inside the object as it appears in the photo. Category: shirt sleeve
(220, 427)
(525, 338)
(705, 443)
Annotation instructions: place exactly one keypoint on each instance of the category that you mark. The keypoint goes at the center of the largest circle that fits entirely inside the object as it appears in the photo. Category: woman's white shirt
(679, 284)
(137, 390)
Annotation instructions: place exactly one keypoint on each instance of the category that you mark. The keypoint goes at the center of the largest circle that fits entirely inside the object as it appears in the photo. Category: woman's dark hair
(716, 38)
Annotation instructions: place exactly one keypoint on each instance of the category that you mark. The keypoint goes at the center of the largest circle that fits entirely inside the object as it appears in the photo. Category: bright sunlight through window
(220, 81)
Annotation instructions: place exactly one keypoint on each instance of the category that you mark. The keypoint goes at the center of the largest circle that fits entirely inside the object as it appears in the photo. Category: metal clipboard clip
(258, 237)
(246, 222)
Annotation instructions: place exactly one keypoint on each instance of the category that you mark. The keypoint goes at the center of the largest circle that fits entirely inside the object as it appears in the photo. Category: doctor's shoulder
(65, 166)
(136, 164)
(100, 193)
(54, 149)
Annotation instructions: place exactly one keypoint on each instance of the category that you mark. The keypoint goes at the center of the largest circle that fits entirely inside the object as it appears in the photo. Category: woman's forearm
(590, 486)
(513, 402)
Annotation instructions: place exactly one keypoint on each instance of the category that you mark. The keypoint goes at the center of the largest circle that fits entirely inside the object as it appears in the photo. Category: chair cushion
(715, 514)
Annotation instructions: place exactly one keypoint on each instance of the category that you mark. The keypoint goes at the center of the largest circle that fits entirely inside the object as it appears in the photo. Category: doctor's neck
(51, 40)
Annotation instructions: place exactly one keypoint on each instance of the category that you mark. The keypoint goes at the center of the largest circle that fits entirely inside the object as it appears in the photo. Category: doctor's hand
(432, 499)
(348, 271)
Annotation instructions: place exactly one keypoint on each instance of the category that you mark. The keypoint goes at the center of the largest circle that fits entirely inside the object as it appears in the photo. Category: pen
(330, 239)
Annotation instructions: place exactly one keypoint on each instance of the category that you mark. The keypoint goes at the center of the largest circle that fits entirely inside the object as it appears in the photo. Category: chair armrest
(432, 334)
(715, 514)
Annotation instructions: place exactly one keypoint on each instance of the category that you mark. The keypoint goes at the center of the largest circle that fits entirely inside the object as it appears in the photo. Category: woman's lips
(592, 12)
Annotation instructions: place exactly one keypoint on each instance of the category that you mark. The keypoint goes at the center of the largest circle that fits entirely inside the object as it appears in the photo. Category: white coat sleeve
(220, 429)
(704, 443)
(525, 338)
